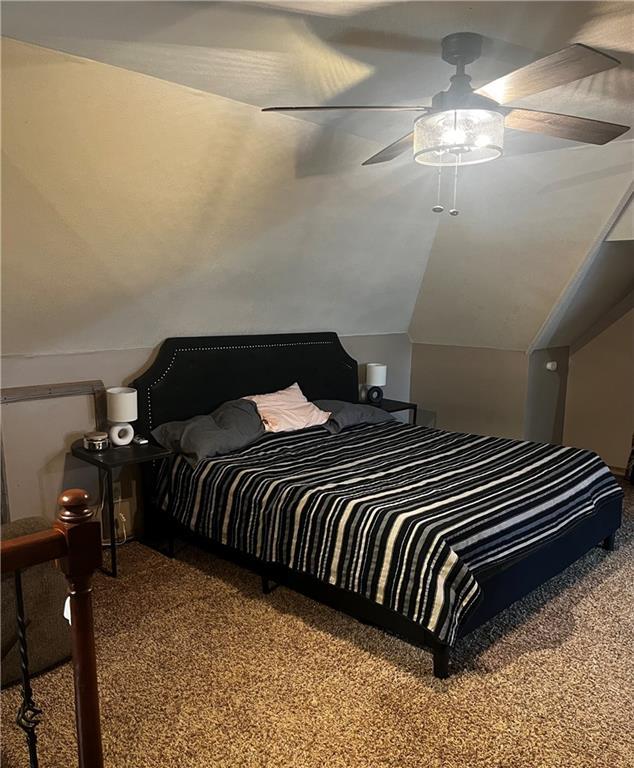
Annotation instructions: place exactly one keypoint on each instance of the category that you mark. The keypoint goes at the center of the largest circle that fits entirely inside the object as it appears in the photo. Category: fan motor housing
(461, 48)
(459, 99)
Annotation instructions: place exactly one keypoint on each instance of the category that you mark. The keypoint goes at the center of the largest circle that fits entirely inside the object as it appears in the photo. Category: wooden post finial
(74, 502)
(83, 556)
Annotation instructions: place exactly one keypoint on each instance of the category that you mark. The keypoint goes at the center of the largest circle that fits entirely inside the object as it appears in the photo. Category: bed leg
(441, 662)
(267, 585)
(609, 542)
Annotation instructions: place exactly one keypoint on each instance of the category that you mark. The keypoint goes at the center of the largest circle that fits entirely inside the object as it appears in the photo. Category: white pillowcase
(288, 410)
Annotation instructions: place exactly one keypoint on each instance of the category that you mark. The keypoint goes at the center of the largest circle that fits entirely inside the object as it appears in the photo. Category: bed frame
(194, 375)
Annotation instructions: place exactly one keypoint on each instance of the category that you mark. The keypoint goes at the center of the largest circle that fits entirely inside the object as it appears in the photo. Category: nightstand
(392, 406)
(113, 459)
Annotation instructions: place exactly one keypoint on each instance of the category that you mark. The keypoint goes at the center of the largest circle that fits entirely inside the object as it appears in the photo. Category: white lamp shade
(121, 404)
(375, 374)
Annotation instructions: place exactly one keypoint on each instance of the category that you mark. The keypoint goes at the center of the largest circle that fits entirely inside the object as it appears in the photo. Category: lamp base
(374, 395)
(121, 433)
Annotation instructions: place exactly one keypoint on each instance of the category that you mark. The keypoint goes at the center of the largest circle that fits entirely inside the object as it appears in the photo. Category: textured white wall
(139, 209)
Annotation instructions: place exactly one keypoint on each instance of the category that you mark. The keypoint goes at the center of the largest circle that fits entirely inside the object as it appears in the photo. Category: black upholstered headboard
(193, 375)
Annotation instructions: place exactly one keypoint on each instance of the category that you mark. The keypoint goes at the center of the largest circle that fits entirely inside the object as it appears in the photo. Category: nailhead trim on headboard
(214, 349)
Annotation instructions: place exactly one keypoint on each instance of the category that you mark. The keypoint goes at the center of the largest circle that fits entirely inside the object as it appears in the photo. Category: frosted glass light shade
(121, 404)
(458, 137)
(375, 374)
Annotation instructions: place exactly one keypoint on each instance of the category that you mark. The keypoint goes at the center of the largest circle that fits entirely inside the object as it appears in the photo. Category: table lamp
(375, 378)
(121, 411)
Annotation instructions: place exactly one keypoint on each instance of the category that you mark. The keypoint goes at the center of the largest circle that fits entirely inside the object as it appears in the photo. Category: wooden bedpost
(83, 539)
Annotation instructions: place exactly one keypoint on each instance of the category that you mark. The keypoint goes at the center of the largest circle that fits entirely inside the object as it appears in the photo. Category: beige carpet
(199, 669)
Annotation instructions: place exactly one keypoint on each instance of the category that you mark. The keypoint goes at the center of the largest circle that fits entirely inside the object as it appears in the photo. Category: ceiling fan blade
(367, 108)
(564, 66)
(395, 149)
(564, 126)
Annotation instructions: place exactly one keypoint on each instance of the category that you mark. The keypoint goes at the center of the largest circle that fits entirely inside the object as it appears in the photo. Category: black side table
(392, 406)
(113, 459)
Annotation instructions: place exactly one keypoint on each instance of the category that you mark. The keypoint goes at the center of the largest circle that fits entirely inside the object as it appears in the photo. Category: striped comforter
(406, 516)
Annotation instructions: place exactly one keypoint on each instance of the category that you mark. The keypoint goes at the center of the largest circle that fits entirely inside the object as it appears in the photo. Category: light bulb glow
(458, 137)
(453, 137)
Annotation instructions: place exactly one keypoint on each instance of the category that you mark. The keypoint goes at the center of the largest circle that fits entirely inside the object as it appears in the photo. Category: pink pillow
(288, 410)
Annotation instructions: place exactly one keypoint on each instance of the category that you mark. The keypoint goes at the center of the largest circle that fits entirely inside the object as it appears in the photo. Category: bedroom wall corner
(546, 395)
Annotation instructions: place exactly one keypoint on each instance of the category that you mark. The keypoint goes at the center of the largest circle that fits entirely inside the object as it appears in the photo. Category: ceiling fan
(464, 127)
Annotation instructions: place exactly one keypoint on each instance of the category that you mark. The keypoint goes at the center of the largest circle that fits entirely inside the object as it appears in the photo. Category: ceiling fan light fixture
(458, 137)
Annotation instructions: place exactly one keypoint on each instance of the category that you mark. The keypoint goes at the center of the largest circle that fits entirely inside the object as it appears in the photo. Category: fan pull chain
(438, 208)
(454, 210)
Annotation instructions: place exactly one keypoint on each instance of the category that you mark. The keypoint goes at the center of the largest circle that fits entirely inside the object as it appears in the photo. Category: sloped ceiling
(623, 228)
(607, 286)
(495, 274)
(151, 197)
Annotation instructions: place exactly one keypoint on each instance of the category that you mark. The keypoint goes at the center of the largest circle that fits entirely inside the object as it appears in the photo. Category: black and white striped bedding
(406, 516)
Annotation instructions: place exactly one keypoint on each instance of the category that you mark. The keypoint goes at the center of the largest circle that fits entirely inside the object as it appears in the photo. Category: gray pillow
(235, 424)
(345, 414)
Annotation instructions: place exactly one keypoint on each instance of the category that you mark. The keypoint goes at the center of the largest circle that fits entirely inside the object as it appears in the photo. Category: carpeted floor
(197, 668)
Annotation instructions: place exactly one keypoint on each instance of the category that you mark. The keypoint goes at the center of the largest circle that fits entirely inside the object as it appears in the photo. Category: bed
(424, 533)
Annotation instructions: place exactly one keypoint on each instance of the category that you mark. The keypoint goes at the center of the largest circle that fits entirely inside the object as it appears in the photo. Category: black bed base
(194, 375)
(501, 587)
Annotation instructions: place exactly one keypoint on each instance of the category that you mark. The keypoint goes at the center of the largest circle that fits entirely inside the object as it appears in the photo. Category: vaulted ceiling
(149, 192)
